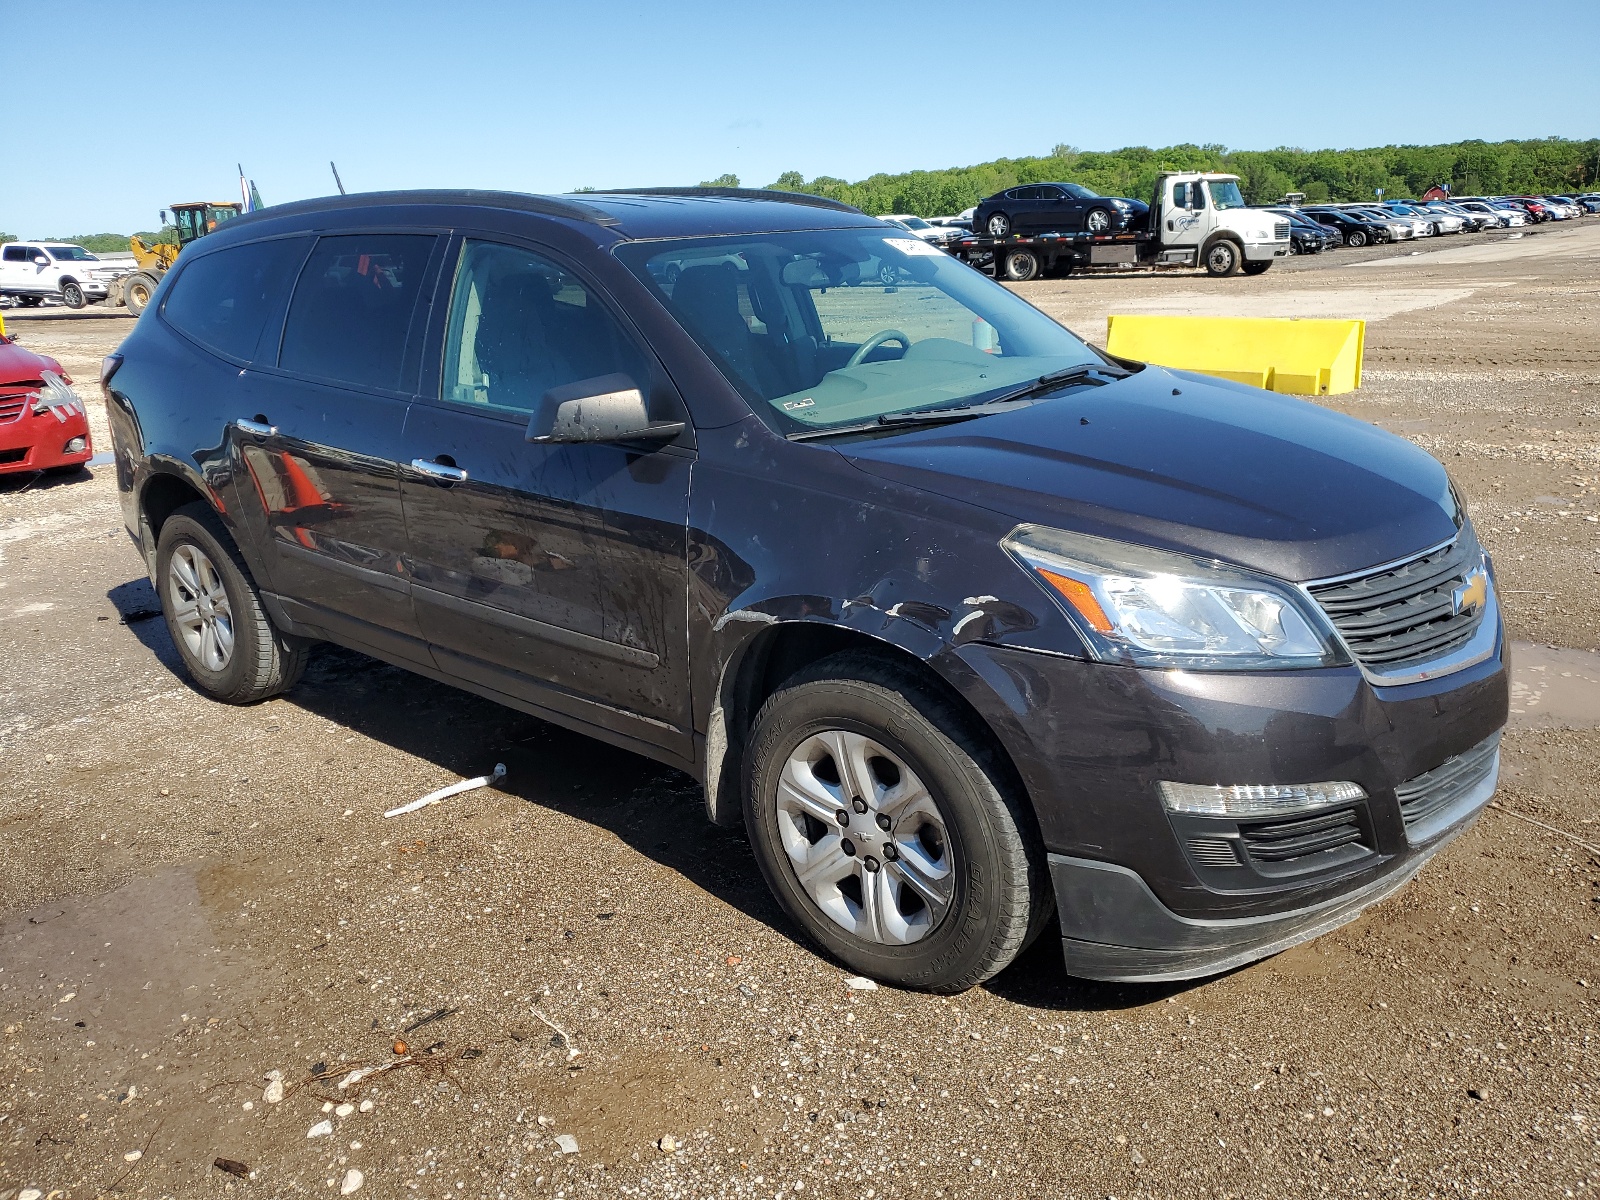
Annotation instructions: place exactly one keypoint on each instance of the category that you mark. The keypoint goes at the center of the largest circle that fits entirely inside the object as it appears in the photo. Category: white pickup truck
(31, 271)
(1196, 219)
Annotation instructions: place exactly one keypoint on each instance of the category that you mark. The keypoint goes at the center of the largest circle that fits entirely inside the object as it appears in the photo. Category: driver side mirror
(42, 259)
(607, 408)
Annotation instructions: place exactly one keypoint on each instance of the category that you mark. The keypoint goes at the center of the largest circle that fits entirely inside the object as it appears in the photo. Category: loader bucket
(1280, 354)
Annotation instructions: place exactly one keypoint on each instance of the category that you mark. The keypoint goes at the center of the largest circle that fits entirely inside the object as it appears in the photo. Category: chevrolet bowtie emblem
(1473, 594)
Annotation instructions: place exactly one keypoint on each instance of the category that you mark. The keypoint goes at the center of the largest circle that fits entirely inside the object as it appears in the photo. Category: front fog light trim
(1256, 799)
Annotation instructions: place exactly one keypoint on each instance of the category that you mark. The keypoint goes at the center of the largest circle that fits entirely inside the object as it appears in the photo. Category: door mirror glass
(607, 408)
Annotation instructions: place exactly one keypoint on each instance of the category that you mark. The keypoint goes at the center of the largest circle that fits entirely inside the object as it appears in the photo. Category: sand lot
(193, 896)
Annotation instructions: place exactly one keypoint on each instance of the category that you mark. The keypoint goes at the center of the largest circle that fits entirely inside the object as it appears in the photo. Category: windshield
(1078, 192)
(915, 223)
(1225, 193)
(818, 328)
(71, 254)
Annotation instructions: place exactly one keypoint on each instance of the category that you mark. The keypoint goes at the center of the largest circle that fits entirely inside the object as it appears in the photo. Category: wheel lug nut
(859, 805)
(883, 822)
(870, 863)
(889, 852)
(844, 818)
(847, 846)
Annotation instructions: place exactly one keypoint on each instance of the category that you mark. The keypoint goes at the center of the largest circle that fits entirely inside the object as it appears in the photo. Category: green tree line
(106, 243)
(1469, 168)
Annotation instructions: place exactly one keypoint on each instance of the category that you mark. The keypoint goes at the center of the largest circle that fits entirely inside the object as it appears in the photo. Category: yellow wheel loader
(193, 221)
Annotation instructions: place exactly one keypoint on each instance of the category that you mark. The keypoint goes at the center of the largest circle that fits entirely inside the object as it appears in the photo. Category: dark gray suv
(967, 623)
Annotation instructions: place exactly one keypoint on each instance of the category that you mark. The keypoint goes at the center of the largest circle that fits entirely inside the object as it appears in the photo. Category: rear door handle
(259, 428)
(437, 470)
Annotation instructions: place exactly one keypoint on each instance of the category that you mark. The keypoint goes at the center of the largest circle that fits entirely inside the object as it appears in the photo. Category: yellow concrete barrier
(1280, 354)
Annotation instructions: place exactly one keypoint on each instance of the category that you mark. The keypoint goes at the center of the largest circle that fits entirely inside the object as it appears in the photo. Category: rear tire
(1223, 257)
(214, 613)
(1021, 266)
(72, 295)
(997, 225)
(136, 292)
(958, 833)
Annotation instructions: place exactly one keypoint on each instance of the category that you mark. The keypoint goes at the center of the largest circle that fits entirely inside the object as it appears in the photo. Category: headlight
(1155, 608)
(1122, 204)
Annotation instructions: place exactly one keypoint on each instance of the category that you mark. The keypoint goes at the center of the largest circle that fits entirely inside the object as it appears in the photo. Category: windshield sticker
(791, 405)
(914, 247)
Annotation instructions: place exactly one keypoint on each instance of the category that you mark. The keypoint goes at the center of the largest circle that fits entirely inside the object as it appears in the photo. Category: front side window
(222, 300)
(1180, 195)
(521, 325)
(1079, 192)
(353, 307)
(818, 328)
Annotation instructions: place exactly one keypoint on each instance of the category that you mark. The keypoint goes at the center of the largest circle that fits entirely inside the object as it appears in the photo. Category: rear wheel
(888, 831)
(72, 295)
(1223, 258)
(137, 291)
(1256, 268)
(997, 225)
(213, 611)
(1021, 265)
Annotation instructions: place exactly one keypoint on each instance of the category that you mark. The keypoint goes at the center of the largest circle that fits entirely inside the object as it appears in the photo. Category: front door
(321, 429)
(553, 573)
(1184, 222)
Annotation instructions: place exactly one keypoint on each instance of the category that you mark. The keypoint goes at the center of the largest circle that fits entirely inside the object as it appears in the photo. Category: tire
(30, 301)
(136, 292)
(1097, 220)
(887, 275)
(1021, 265)
(1223, 258)
(257, 661)
(72, 295)
(997, 225)
(955, 929)
(1256, 268)
(1356, 238)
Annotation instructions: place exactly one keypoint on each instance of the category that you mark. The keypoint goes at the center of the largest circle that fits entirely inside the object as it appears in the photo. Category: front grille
(1275, 842)
(12, 407)
(1435, 791)
(1280, 231)
(1214, 852)
(1404, 614)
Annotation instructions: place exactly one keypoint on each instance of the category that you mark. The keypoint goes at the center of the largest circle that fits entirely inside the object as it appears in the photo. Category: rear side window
(353, 308)
(222, 300)
(16, 254)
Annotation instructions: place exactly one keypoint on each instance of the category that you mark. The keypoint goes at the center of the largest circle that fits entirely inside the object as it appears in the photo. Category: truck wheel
(1356, 238)
(998, 225)
(137, 291)
(72, 295)
(1256, 268)
(228, 644)
(888, 829)
(1021, 265)
(1097, 220)
(1223, 258)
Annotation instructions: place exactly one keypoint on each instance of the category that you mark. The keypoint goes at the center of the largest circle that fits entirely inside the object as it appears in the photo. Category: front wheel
(1223, 258)
(998, 225)
(1097, 220)
(214, 613)
(888, 829)
(72, 295)
(1256, 268)
(1356, 238)
(136, 293)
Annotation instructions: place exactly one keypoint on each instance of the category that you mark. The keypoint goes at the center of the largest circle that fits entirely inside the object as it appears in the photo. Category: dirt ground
(193, 896)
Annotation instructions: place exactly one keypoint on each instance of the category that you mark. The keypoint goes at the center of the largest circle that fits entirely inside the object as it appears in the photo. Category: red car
(43, 426)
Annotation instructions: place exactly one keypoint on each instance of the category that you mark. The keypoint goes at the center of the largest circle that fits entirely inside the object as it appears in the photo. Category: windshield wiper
(1059, 378)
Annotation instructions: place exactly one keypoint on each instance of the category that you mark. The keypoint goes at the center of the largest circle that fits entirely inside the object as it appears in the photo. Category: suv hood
(1188, 462)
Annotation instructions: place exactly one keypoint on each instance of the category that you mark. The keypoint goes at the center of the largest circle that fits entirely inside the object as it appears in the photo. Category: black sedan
(1356, 230)
(1055, 208)
(1305, 235)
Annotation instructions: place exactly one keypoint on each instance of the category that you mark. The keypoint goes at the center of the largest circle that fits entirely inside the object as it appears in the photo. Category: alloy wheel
(201, 611)
(865, 838)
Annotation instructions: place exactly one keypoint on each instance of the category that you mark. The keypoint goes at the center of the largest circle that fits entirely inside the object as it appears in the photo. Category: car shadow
(656, 810)
(14, 483)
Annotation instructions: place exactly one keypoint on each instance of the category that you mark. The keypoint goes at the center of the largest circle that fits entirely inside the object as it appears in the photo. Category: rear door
(321, 425)
(553, 573)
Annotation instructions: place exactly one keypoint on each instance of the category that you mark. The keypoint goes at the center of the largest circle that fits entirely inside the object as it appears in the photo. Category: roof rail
(550, 206)
(728, 193)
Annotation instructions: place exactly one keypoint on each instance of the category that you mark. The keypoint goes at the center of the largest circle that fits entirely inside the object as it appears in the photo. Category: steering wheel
(876, 340)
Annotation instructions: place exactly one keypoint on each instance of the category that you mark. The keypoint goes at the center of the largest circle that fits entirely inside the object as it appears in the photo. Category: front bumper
(1146, 894)
(38, 442)
(1266, 251)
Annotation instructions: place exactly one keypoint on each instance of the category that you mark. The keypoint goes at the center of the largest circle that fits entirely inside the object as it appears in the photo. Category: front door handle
(259, 428)
(438, 470)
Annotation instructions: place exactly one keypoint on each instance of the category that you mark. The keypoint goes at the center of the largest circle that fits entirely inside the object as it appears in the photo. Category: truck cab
(1201, 219)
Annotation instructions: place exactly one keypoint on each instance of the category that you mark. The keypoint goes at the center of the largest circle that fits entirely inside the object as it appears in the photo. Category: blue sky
(543, 96)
